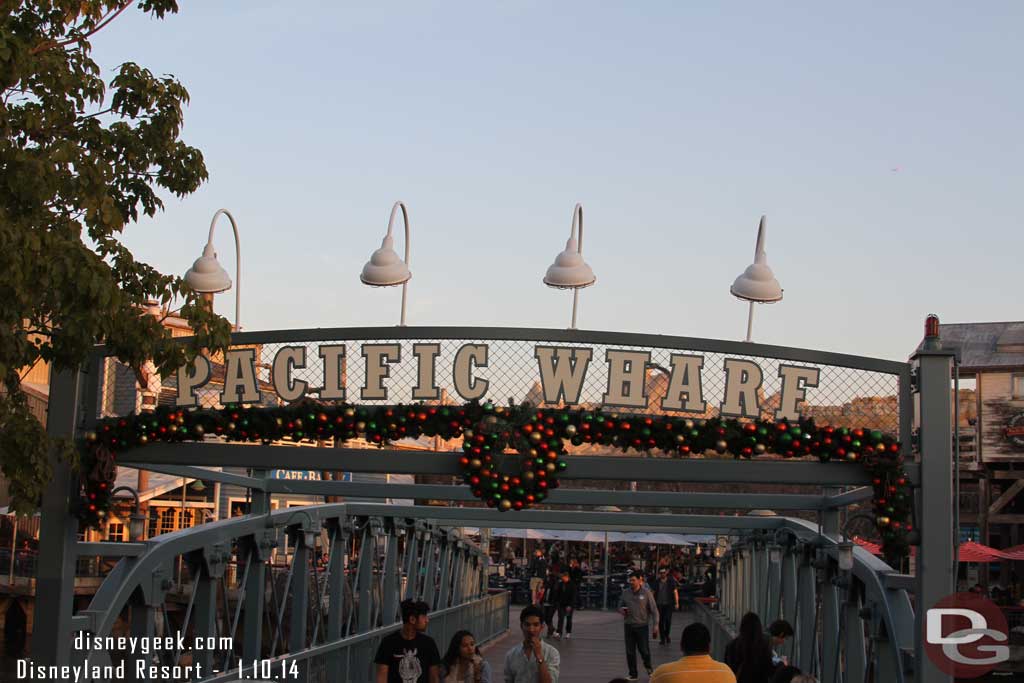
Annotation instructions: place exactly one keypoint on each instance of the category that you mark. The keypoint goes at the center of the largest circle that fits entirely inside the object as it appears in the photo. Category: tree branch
(104, 21)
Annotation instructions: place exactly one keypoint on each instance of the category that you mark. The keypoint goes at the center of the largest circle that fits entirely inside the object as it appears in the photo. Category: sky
(882, 143)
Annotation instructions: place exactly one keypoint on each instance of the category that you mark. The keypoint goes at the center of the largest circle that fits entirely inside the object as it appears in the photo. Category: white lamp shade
(385, 268)
(206, 275)
(757, 283)
(569, 271)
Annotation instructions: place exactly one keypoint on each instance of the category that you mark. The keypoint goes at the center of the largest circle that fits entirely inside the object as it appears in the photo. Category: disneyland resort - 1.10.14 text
(143, 668)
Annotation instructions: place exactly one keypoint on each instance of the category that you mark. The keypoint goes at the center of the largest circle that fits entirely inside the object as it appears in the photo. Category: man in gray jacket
(638, 608)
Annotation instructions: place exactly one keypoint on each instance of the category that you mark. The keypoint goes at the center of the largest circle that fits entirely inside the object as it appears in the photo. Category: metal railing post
(336, 609)
(830, 621)
(55, 577)
(392, 579)
(789, 597)
(935, 578)
(806, 628)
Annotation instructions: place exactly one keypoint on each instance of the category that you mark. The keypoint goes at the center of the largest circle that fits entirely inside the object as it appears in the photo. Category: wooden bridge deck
(596, 653)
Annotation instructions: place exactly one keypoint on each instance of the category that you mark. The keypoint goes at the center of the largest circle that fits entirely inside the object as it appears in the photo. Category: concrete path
(596, 652)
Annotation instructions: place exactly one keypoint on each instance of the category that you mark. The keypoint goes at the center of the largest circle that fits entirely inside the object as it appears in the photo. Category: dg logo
(966, 635)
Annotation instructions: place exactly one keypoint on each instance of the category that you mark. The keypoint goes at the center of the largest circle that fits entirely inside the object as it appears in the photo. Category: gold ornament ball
(570, 430)
(101, 513)
(688, 424)
(680, 438)
(143, 439)
(533, 452)
(468, 433)
(721, 446)
(505, 504)
(198, 430)
(90, 437)
(550, 467)
(760, 448)
(350, 412)
(475, 463)
(360, 425)
(528, 475)
(535, 437)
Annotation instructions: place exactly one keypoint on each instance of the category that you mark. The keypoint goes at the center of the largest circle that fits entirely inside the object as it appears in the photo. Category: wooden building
(991, 419)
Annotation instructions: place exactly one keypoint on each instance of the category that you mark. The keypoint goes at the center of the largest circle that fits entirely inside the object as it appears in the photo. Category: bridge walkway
(596, 653)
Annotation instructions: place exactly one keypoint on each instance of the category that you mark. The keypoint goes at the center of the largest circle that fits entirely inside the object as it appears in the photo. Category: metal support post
(299, 596)
(255, 579)
(337, 613)
(854, 651)
(934, 514)
(830, 624)
(364, 579)
(55, 583)
(392, 586)
(204, 583)
(445, 578)
(412, 541)
(773, 596)
(789, 583)
(430, 578)
(806, 627)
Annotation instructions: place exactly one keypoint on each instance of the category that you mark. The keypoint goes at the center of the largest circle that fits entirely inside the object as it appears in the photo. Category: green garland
(488, 431)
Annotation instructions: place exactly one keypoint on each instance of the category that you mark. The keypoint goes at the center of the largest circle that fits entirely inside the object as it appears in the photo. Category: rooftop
(985, 345)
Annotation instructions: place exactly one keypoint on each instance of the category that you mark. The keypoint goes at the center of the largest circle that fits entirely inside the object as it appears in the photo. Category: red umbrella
(1014, 553)
(976, 552)
(872, 548)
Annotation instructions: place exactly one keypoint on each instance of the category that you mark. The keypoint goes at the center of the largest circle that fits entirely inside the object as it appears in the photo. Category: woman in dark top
(749, 655)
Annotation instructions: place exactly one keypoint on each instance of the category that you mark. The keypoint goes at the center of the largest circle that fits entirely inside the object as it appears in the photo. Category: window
(115, 532)
(167, 518)
(1017, 385)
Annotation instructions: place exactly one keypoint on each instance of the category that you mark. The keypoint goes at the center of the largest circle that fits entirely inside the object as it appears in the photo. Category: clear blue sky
(884, 144)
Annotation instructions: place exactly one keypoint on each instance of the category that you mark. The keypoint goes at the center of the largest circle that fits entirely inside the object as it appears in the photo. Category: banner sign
(562, 371)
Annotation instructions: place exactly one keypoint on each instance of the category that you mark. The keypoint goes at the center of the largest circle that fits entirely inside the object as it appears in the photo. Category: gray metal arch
(76, 395)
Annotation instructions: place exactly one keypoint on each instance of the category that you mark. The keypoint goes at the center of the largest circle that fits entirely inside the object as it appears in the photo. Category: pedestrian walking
(696, 665)
(532, 660)
(749, 654)
(409, 655)
(538, 572)
(666, 592)
(462, 662)
(565, 601)
(549, 603)
(638, 609)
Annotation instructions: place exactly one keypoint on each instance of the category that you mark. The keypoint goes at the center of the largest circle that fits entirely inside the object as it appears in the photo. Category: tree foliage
(79, 162)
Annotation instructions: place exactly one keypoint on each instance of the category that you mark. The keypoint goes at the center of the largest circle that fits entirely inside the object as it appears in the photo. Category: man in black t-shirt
(410, 655)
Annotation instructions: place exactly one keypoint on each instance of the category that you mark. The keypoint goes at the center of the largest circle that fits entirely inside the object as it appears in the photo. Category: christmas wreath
(537, 436)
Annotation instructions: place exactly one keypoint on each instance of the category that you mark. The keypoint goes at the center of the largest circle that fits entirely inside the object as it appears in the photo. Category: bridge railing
(793, 573)
(350, 567)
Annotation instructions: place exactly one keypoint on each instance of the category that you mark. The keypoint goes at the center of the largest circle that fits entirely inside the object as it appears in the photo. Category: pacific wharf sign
(562, 371)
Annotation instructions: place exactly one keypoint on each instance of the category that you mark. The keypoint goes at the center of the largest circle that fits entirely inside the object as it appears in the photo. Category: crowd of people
(646, 605)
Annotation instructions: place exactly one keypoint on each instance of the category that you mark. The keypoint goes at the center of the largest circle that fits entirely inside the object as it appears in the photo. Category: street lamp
(570, 271)
(206, 275)
(757, 284)
(385, 269)
(136, 521)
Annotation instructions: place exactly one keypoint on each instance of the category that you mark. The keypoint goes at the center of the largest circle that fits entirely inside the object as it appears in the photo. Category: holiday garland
(489, 431)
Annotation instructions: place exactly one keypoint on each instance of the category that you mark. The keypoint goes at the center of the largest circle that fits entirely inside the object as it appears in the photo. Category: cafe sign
(562, 372)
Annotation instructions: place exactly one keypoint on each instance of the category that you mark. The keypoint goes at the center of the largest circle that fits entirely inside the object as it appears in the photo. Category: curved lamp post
(757, 284)
(137, 521)
(206, 275)
(570, 271)
(385, 269)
